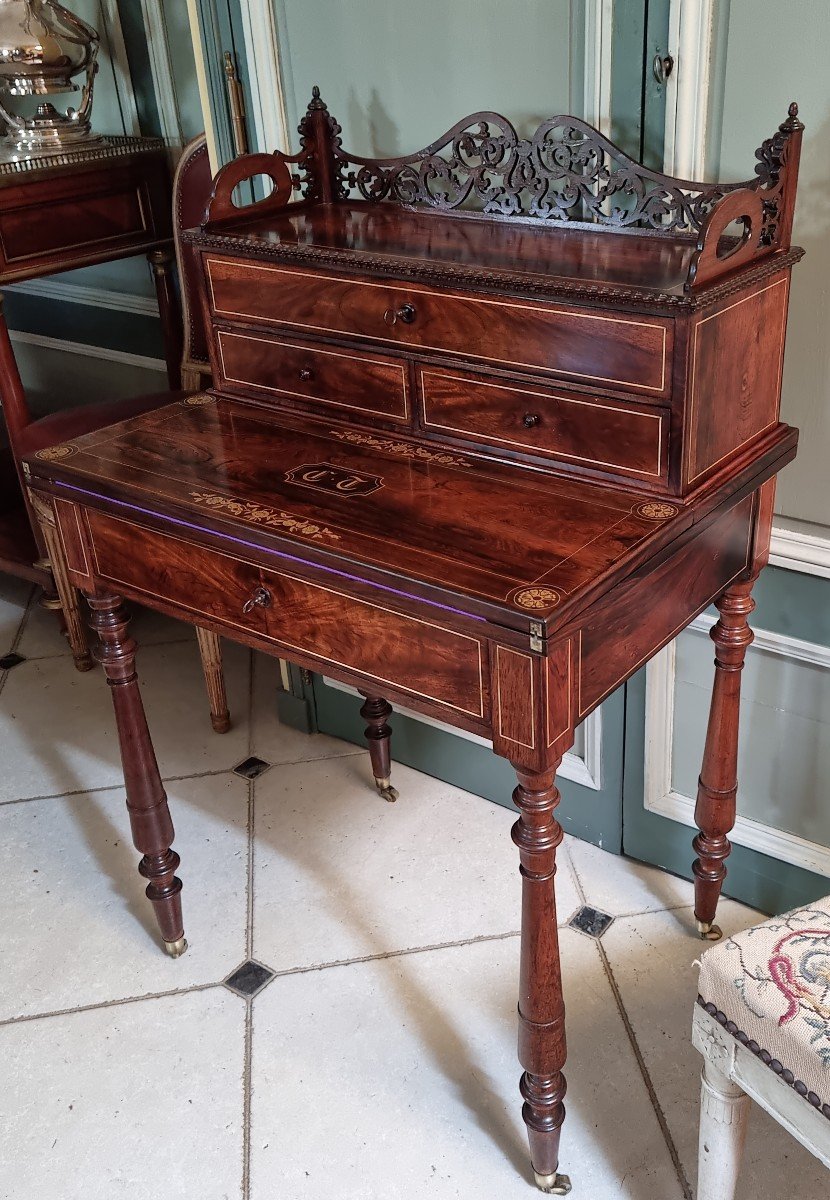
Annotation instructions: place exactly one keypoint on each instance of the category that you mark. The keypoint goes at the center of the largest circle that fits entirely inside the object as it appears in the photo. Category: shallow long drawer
(630, 352)
(310, 376)
(420, 657)
(601, 434)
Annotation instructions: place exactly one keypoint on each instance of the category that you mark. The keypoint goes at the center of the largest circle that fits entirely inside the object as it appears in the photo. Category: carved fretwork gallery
(490, 425)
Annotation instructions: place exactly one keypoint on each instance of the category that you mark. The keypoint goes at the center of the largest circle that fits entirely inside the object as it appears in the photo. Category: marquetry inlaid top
(515, 543)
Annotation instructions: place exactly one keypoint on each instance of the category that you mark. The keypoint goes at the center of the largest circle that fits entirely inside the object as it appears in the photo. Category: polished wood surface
(480, 465)
(56, 216)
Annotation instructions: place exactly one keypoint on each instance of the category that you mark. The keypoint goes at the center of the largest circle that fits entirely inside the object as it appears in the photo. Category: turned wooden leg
(68, 598)
(718, 783)
(377, 711)
(161, 263)
(150, 821)
(537, 833)
(724, 1114)
(210, 649)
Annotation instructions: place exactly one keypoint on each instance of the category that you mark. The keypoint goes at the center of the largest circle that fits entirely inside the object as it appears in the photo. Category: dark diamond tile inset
(252, 768)
(591, 921)
(249, 979)
(11, 660)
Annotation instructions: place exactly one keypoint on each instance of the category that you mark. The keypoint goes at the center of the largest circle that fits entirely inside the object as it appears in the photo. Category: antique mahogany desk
(486, 463)
(77, 209)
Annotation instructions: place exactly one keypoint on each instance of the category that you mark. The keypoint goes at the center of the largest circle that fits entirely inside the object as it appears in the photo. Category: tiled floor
(343, 1024)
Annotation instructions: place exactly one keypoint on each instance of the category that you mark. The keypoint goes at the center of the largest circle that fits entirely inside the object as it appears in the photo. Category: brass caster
(709, 933)
(176, 949)
(552, 1185)
(386, 790)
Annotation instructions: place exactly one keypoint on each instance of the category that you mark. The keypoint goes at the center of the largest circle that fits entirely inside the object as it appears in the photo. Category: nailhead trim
(765, 1057)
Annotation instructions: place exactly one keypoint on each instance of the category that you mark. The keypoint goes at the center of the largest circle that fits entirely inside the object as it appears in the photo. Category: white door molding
(688, 88)
(269, 118)
(161, 69)
(112, 34)
(598, 33)
(659, 795)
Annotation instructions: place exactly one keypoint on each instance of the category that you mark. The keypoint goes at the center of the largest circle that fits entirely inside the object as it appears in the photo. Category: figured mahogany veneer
(481, 463)
(311, 376)
(603, 434)
(623, 352)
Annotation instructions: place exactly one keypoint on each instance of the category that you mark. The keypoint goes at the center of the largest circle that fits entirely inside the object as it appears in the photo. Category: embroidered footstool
(762, 1024)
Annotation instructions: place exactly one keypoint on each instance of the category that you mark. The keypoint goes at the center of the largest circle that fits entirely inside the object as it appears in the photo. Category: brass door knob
(530, 420)
(260, 599)
(306, 374)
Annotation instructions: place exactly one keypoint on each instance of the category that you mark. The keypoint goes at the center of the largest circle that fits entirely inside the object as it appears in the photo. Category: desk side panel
(622, 632)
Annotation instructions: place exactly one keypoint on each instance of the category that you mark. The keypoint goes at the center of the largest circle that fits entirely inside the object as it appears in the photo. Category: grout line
(115, 787)
(247, 1076)
(577, 882)
(368, 958)
(33, 658)
(82, 1008)
(251, 673)
(652, 1094)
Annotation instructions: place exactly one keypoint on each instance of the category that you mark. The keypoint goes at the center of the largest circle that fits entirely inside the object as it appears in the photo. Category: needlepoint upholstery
(770, 988)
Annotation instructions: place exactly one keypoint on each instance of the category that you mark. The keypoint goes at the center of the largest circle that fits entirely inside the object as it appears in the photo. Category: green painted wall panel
(767, 66)
(397, 74)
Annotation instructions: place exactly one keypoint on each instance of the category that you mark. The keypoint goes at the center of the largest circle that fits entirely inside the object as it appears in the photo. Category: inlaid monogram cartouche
(326, 477)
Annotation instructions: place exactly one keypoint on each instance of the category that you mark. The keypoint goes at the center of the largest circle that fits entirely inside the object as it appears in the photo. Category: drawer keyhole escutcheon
(405, 313)
(306, 374)
(260, 599)
(530, 420)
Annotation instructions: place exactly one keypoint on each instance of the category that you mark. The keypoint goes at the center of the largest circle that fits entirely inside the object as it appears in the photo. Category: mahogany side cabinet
(491, 424)
(75, 209)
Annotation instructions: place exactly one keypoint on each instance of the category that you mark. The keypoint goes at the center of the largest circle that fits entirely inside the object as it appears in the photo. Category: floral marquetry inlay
(536, 598)
(261, 514)
(404, 449)
(198, 400)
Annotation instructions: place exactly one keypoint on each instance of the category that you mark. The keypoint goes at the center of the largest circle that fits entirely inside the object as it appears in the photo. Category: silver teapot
(42, 47)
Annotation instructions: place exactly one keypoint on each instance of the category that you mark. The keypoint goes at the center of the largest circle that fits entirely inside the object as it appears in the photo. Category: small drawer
(629, 352)
(601, 434)
(420, 657)
(260, 367)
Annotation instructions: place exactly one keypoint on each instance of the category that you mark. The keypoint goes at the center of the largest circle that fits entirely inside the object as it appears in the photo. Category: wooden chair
(191, 190)
(762, 1024)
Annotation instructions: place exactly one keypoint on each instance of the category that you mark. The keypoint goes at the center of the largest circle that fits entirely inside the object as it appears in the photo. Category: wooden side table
(72, 210)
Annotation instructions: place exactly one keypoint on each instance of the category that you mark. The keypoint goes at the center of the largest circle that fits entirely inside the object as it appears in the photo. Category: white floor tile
(76, 927)
(14, 595)
(652, 958)
(134, 1101)
(371, 877)
(620, 886)
(278, 743)
(42, 637)
(58, 730)
(398, 1080)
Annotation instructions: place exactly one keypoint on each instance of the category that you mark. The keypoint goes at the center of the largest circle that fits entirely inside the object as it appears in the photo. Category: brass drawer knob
(261, 599)
(306, 374)
(405, 313)
(530, 420)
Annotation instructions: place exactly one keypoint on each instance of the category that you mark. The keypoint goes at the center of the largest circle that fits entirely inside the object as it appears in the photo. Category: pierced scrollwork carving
(566, 171)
